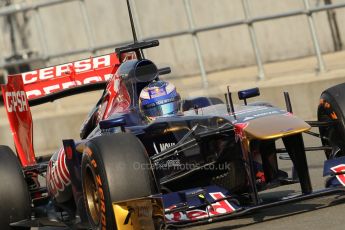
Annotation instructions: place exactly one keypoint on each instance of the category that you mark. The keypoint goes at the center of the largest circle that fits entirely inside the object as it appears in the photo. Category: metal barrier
(193, 31)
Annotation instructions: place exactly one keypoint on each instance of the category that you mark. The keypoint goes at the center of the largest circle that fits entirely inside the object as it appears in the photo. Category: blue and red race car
(208, 162)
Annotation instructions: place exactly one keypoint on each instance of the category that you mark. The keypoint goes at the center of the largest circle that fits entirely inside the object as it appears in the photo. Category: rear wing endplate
(19, 117)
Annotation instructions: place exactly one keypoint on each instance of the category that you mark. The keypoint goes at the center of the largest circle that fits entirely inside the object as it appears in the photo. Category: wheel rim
(92, 196)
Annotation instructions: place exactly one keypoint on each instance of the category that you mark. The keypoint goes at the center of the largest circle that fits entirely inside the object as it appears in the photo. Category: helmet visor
(162, 110)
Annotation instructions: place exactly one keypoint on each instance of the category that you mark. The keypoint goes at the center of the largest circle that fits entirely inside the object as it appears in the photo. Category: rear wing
(48, 84)
(51, 83)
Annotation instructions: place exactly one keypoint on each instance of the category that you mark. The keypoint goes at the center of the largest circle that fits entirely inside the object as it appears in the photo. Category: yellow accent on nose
(141, 213)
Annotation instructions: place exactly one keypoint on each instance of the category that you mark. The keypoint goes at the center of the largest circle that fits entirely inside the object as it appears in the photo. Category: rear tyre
(115, 167)
(14, 195)
(332, 108)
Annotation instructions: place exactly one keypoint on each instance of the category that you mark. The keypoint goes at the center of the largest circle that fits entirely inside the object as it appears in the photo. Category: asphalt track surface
(312, 214)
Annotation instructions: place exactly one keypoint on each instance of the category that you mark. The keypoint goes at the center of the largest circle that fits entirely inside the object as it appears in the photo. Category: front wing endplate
(142, 213)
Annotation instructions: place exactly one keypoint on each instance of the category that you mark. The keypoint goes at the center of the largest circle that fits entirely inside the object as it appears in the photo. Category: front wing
(195, 207)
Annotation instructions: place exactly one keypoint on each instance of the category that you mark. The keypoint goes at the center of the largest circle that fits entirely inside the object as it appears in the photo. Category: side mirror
(248, 93)
(165, 70)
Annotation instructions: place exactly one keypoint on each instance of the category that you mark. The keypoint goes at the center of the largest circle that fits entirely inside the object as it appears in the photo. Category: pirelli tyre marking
(93, 185)
(328, 109)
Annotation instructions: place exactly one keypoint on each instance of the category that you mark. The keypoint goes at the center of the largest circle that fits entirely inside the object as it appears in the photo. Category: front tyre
(332, 109)
(115, 167)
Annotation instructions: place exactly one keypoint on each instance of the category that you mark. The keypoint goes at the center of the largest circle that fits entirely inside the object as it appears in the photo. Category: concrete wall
(341, 21)
(221, 49)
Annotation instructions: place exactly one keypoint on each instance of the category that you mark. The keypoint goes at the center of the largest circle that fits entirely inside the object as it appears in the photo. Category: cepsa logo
(53, 79)
(16, 101)
(65, 69)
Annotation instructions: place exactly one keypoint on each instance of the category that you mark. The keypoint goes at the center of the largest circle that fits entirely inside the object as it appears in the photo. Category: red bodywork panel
(117, 99)
(19, 116)
(39, 83)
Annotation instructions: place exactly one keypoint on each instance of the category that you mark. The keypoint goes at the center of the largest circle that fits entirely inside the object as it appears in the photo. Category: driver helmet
(159, 99)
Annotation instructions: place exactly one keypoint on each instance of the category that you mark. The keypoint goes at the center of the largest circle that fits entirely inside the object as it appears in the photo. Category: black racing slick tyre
(332, 109)
(15, 202)
(115, 167)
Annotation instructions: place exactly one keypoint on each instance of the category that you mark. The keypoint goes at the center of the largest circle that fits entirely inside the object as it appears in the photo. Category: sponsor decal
(248, 110)
(48, 88)
(165, 146)
(340, 170)
(49, 80)
(58, 177)
(162, 146)
(19, 117)
(266, 113)
(66, 69)
(16, 101)
(260, 115)
(218, 208)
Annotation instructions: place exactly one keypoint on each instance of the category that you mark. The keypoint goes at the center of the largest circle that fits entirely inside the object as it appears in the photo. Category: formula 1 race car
(205, 164)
